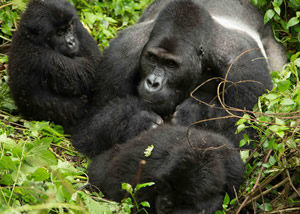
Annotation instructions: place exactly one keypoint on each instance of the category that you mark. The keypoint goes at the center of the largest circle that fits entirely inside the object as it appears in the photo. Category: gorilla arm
(118, 121)
(65, 75)
(247, 75)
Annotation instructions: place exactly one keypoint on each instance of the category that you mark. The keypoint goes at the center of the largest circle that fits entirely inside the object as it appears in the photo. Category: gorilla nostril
(149, 82)
(155, 85)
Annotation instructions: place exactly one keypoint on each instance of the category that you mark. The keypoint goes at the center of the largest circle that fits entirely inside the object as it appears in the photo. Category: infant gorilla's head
(55, 29)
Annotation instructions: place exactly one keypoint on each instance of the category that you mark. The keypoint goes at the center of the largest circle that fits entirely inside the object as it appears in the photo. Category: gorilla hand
(115, 123)
(186, 113)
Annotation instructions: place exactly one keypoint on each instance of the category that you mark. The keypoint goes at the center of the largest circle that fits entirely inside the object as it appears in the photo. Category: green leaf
(280, 121)
(279, 130)
(272, 160)
(268, 15)
(148, 151)
(244, 155)
(291, 144)
(277, 3)
(265, 119)
(7, 143)
(245, 118)
(265, 207)
(226, 199)
(287, 101)
(295, 56)
(127, 187)
(6, 179)
(7, 163)
(41, 174)
(284, 24)
(293, 21)
(270, 96)
(145, 204)
(277, 10)
(240, 128)
(19, 4)
(243, 142)
(139, 186)
(93, 207)
(283, 85)
(40, 157)
(233, 201)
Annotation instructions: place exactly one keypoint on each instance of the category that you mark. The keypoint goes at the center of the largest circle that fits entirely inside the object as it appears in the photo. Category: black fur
(176, 46)
(49, 81)
(189, 176)
(118, 121)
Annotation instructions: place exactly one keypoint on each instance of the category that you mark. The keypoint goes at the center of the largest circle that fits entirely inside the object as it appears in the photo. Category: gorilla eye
(171, 63)
(60, 32)
(152, 57)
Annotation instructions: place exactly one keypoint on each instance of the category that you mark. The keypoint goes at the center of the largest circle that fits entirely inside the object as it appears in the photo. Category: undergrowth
(40, 172)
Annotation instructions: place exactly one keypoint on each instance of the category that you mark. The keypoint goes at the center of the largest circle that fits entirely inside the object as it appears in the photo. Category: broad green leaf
(7, 142)
(226, 199)
(240, 128)
(6, 179)
(268, 15)
(287, 101)
(145, 204)
(272, 160)
(19, 4)
(295, 56)
(41, 158)
(233, 201)
(283, 85)
(244, 155)
(265, 119)
(127, 187)
(41, 174)
(292, 144)
(277, 10)
(93, 207)
(7, 163)
(139, 186)
(245, 118)
(293, 21)
(243, 142)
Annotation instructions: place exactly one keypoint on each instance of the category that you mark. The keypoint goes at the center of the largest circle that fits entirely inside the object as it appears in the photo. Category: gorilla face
(56, 28)
(169, 70)
(64, 40)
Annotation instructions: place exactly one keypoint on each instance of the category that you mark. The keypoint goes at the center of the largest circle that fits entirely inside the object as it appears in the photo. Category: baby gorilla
(52, 63)
(191, 175)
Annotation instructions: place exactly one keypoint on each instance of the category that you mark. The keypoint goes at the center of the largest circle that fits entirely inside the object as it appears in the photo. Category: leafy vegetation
(41, 172)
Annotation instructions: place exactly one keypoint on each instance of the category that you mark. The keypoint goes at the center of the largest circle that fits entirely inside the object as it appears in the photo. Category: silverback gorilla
(190, 177)
(150, 69)
(52, 63)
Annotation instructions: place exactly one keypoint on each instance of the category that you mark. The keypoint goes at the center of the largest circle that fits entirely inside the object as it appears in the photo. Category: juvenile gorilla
(176, 46)
(190, 176)
(52, 63)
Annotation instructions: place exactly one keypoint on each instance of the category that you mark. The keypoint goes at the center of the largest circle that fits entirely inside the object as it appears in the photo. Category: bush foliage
(40, 172)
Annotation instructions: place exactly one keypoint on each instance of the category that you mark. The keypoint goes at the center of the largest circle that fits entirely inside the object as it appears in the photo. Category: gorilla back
(190, 175)
(52, 63)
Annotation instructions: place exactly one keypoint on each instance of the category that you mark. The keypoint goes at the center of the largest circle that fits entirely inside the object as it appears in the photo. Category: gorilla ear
(200, 51)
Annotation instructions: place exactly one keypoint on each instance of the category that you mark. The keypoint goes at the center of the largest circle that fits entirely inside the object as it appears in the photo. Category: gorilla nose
(70, 42)
(153, 83)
